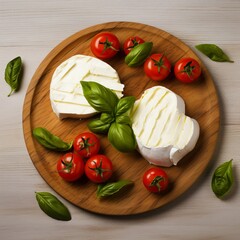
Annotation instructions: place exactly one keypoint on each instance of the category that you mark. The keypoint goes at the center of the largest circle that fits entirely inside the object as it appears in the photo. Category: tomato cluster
(106, 45)
(85, 159)
(157, 67)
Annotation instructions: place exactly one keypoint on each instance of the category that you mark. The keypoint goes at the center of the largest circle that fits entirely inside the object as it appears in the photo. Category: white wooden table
(31, 29)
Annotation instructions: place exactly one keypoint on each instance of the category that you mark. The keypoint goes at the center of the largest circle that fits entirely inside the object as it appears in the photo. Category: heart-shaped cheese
(66, 93)
(163, 132)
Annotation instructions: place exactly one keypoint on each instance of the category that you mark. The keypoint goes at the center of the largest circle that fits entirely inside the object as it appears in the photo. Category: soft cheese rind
(163, 132)
(66, 93)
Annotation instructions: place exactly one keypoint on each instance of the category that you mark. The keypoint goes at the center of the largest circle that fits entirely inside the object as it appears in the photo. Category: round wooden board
(201, 103)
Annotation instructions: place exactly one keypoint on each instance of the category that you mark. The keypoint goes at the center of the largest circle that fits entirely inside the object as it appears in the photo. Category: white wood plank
(42, 23)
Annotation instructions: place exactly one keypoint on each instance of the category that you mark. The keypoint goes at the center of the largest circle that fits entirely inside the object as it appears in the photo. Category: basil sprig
(108, 189)
(138, 54)
(52, 206)
(114, 118)
(222, 179)
(214, 52)
(50, 141)
(13, 74)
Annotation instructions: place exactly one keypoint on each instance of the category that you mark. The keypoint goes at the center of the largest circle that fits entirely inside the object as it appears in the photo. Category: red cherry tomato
(130, 43)
(70, 167)
(98, 168)
(86, 144)
(187, 70)
(105, 45)
(157, 67)
(155, 180)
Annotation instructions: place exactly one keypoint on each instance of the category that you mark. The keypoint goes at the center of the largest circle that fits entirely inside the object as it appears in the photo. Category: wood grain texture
(201, 103)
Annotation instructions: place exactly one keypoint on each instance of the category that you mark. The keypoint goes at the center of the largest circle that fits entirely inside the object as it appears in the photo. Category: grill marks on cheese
(66, 93)
(159, 119)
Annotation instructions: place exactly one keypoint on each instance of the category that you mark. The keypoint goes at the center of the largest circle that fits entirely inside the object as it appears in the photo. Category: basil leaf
(107, 118)
(105, 190)
(222, 179)
(99, 97)
(13, 74)
(124, 119)
(50, 141)
(214, 52)
(124, 105)
(52, 206)
(121, 136)
(98, 126)
(138, 54)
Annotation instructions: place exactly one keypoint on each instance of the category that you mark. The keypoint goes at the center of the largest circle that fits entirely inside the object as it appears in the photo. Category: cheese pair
(163, 132)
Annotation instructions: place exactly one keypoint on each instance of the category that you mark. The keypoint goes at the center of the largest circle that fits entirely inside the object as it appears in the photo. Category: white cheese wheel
(66, 93)
(163, 132)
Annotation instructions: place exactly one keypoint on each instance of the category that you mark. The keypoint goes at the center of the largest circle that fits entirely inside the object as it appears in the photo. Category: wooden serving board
(201, 103)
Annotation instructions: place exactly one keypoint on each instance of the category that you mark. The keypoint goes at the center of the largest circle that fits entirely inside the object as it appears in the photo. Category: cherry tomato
(70, 166)
(86, 144)
(187, 70)
(157, 67)
(155, 180)
(130, 43)
(98, 168)
(105, 45)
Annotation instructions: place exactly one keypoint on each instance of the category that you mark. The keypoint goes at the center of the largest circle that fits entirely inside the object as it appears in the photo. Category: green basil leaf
(138, 54)
(124, 119)
(107, 118)
(50, 141)
(52, 206)
(99, 97)
(214, 52)
(222, 179)
(13, 74)
(121, 136)
(98, 126)
(124, 105)
(105, 190)
(99, 188)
